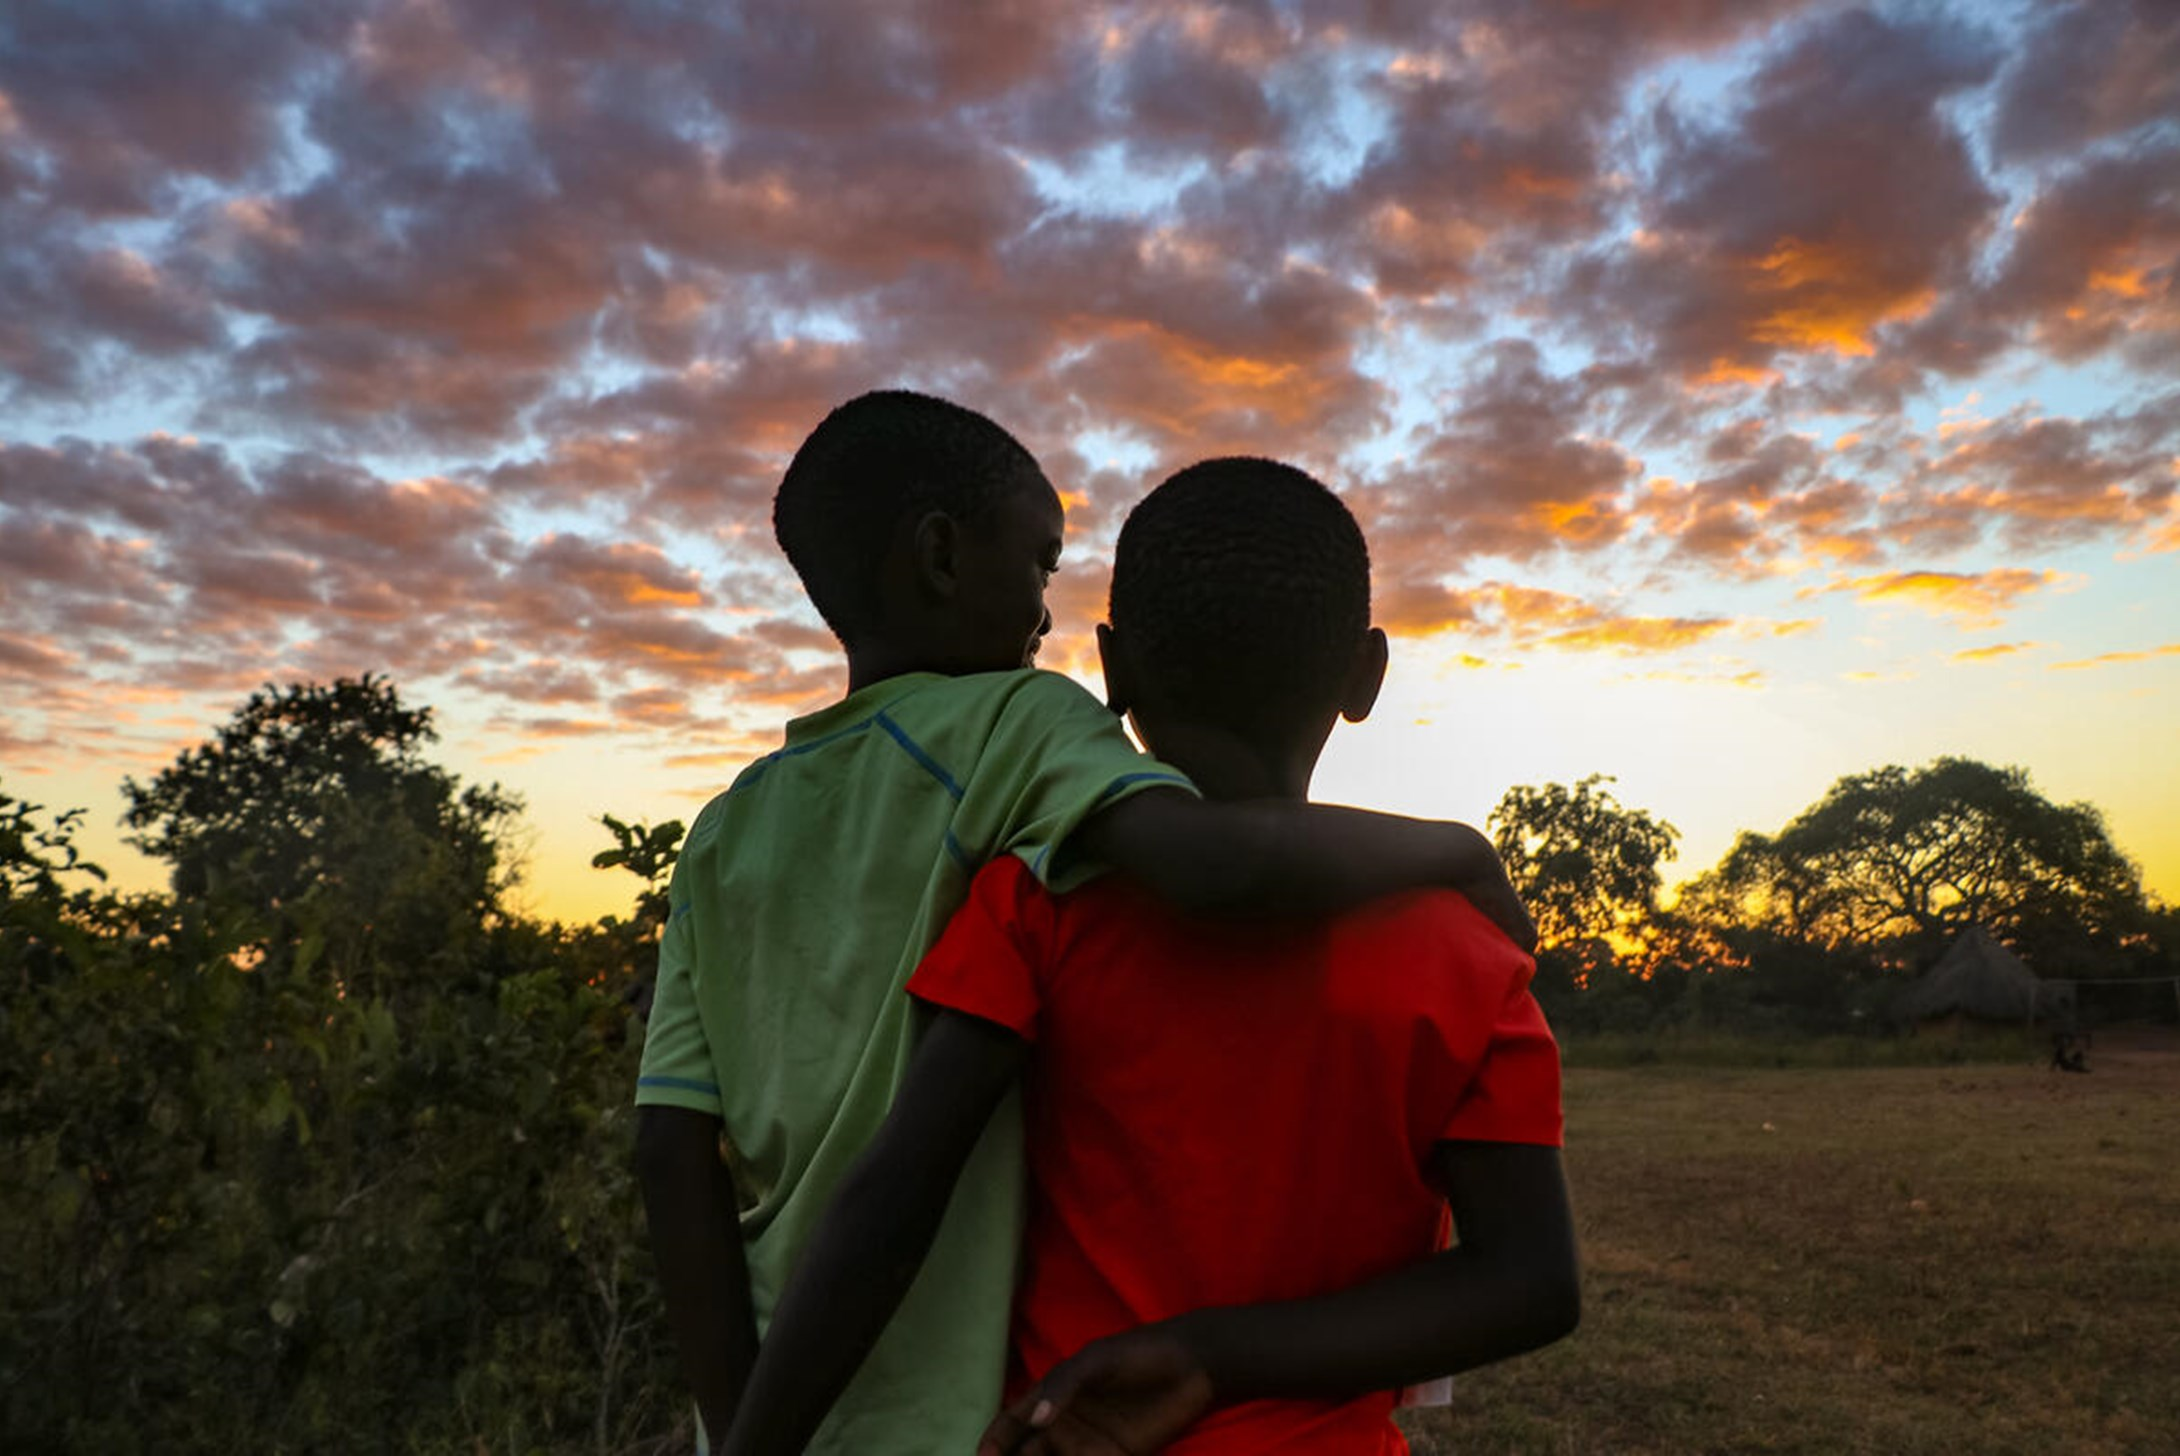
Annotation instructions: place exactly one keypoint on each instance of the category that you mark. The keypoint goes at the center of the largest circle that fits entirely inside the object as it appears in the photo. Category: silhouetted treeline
(1818, 928)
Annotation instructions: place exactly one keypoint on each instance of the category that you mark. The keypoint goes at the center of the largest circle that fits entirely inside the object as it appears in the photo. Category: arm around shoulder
(1275, 856)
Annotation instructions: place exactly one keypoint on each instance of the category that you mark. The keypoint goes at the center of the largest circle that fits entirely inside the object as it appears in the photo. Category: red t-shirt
(1222, 1113)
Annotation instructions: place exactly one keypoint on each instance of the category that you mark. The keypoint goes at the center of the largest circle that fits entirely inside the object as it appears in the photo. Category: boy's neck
(867, 666)
(1226, 766)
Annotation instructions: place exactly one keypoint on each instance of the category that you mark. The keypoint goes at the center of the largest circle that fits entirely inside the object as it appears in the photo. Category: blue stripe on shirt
(1146, 776)
(915, 750)
(679, 1084)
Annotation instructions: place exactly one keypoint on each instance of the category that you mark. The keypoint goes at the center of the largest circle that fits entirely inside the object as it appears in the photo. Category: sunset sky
(1735, 394)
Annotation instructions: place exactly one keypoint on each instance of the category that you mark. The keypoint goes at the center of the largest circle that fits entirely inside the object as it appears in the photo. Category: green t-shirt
(803, 898)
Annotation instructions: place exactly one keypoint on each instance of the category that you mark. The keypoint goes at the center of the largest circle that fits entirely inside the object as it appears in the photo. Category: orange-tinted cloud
(1532, 617)
(2111, 659)
(2035, 482)
(1841, 199)
(1993, 652)
(1510, 473)
(28, 657)
(1974, 599)
(610, 575)
(2092, 263)
(476, 336)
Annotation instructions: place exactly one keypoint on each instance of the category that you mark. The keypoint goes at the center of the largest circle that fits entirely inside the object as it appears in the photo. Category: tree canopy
(1587, 867)
(294, 789)
(1904, 859)
(314, 812)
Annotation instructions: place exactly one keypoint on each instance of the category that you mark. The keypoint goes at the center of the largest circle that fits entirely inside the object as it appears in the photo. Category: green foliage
(1586, 867)
(1814, 930)
(322, 1153)
(648, 853)
(1898, 861)
(33, 857)
(313, 817)
(1589, 871)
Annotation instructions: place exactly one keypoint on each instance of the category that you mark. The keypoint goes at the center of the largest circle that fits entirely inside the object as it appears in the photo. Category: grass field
(1967, 1259)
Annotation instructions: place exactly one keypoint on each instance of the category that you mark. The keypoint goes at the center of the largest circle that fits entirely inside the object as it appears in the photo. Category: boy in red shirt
(1243, 1139)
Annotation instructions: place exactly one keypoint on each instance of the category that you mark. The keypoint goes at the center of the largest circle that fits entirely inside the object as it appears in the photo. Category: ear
(935, 552)
(1365, 678)
(1113, 661)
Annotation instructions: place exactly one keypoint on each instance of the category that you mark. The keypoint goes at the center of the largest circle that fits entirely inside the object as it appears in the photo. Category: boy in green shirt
(807, 893)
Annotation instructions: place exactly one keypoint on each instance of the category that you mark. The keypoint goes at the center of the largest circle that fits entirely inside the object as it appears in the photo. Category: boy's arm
(875, 1233)
(696, 1238)
(1509, 1286)
(1295, 858)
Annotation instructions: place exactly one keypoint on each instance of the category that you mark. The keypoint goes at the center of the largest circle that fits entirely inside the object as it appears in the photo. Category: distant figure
(1243, 1139)
(805, 895)
(2067, 1054)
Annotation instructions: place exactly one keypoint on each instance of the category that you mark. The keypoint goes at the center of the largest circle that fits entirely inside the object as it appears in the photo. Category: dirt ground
(1978, 1258)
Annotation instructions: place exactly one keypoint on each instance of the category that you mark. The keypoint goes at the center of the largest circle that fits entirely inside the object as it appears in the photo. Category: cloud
(1994, 651)
(702, 447)
(1974, 599)
(1196, 80)
(468, 340)
(608, 574)
(552, 727)
(1510, 474)
(2036, 482)
(2111, 659)
(128, 99)
(2088, 71)
(26, 657)
(1497, 128)
(2092, 264)
(168, 562)
(1766, 502)
(1839, 198)
(1535, 617)
(660, 707)
(535, 681)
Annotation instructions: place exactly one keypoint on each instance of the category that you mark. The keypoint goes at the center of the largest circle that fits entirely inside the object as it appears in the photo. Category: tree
(648, 852)
(252, 1205)
(297, 782)
(1587, 868)
(314, 813)
(1898, 861)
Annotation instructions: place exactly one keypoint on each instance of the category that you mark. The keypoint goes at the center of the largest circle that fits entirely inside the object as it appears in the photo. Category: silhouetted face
(1008, 555)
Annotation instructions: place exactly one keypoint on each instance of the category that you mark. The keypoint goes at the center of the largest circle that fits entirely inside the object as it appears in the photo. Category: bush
(247, 1209)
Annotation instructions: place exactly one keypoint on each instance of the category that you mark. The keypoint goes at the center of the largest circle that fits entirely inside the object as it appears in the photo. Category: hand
(1125, 1395)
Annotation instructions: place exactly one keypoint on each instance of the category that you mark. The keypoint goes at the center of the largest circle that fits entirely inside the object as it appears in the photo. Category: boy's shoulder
(967, 703)
(983, 698)
(934, 719)
(1440, 925)
(1416, 940)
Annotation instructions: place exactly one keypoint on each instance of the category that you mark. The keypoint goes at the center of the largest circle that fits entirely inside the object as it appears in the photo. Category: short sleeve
(1056, 756)
(677, 1068)
(1514, 1096)
(987, 961)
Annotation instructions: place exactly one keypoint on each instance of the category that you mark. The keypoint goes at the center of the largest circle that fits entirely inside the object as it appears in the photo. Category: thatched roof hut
(1979, 979)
